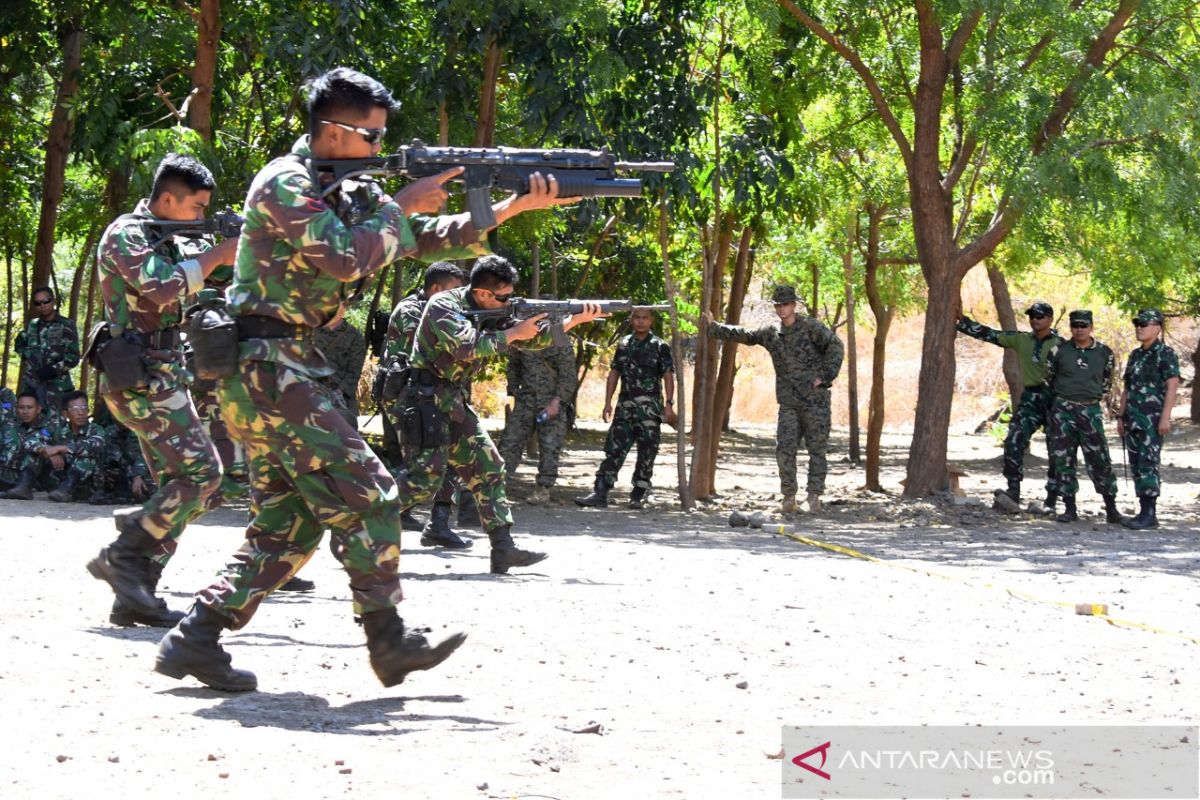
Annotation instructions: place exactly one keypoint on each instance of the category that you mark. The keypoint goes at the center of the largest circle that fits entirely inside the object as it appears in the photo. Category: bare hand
(138, 487)
(543, 193)
(552, 408)
(707, 316)
(590, 312)
(226, 251)
(525, 329)
(670, 417)
(57, 462)
(607, 412)
(1164, 425)
(426, 195)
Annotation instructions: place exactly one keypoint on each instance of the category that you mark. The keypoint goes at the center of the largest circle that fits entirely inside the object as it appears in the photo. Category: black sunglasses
(371, 135)
(1081, 324)
(1143, 324)
(43, 302)
(1039, 316)
(502, 298)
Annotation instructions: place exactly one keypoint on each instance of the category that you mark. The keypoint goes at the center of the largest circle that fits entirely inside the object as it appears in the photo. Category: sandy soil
(688, 642)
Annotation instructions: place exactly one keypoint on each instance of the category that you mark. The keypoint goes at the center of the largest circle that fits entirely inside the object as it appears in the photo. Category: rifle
(518, 309)
(226, 224)
(579, 173)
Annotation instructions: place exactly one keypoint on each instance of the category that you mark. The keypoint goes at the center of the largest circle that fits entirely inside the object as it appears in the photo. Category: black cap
(1149, 316)
(1083, 315)
(1041, 308)
(783, 294)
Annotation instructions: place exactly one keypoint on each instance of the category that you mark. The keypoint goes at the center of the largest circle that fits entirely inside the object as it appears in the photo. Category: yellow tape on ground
(1096, 610)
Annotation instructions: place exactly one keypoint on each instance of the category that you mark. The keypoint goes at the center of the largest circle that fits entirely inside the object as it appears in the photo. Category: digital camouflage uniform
(534, 379)
(802, 353)
(298, 264)
(1033, 410)
(20, 447)
(84, 457)
(1146, 374)
(8, 407)
(638, 416)
(1079, 377)
(144, 290)
(48, 351)
(345, 348)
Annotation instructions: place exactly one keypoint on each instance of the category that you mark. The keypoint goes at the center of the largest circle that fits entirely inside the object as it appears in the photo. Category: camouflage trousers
(1031, 415)
(86, 471)
(551, 435)
(177, 451)
(1080, 425)
(13, 457)
(309, 472)
(1144, 443)
(809, 422)
(233, 456)
(448, 491)
(636, 420)
(466, 455)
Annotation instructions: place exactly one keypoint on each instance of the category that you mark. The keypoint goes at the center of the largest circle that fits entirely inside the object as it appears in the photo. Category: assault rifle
(226, 224)
(579, 173)
(518, 309)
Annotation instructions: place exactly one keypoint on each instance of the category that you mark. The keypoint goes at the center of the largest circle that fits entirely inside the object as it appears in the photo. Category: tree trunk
(85, 257)
(685, 491)
(90, 318)
(851, 344)
(208, 35)
(8, 318)
(708, 420)
(1008, 322)
(878, 408)
(1195, 379)
(58, 148)
(535, 288)
(723, 391)
(485, 125)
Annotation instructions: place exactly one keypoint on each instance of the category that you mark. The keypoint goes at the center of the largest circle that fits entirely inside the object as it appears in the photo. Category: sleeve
(620, 360)
(394, 340)
(69, 357)
(1110, 368)
(451, 337)
(21, 343)
(1051, 367)
(666, 362)
(157, 279)
(35, 440)
(735, 333)
(568, 375)
(1128, 374)
(977, 330)
(1168, 364)
(835, 351)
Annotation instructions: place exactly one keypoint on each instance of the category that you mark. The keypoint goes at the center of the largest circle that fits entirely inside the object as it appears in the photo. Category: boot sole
(436, 656)
(180, 672)
(529, 562)
(130, 620)
(427, 541)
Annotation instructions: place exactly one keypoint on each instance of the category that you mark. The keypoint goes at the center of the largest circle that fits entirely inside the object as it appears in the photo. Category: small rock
(341, 762)
(114, 759)
(595, 727)
(61, 759)
(211, 757)
(222, 774)
(345, 771)
(742, 684)
(738, 520)
(483, 787)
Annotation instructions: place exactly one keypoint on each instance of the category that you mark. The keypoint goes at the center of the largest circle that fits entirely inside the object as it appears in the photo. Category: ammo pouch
(395, 378)
(213, 335)
(118, 357)
(422, 424)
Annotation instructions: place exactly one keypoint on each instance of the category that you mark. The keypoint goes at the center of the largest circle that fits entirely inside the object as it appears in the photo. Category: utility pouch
(119, 358)
(213, 335)
(422, 424)
(394, 382)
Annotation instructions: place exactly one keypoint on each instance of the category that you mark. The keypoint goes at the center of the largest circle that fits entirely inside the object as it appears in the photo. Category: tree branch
(958, 41)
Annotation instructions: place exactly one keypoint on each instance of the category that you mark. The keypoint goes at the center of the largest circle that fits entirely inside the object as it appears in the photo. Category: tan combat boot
(814, 503)
(789, 504)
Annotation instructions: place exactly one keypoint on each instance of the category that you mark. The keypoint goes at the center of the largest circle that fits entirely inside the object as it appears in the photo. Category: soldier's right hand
(525, 329)
(707, 317)
(607, 411)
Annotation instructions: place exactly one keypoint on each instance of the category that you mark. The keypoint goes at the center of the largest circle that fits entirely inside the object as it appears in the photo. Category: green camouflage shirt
(642, 363)
(804, 352)
(1147, 372)
(53, 344)
(86, 444)
(1080, 374)
(1031, 351)
(299, 262)
(402, 327)
(539, 376)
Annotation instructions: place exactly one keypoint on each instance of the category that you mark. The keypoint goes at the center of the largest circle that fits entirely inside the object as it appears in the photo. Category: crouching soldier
(21, 447)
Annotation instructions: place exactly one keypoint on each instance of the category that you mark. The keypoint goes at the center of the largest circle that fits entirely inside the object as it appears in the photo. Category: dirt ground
(687, 642)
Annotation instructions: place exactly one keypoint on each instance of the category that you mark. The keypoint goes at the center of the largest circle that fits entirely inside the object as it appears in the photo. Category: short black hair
(492, 271)
(46, 290)
(29, 393)
(75, 395)
(443, 272)
(181, 175)
(345, 89)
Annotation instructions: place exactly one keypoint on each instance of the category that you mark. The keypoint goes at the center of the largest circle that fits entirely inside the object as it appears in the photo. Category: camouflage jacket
(1147, 372)
(1080, 374)
(802, 353)
(345, 350)
(402, 327)
(1031, 351)
(539, 376)
(642, 363)
(53, 344)
(300, 262)
(449, 344)
(86, 444)
(23, 440)
(8, 407)
(122, 451)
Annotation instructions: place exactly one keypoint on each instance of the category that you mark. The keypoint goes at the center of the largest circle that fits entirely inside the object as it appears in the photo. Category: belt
(1037, 387)
(1081, 403)
(165, 339)
(254, 326)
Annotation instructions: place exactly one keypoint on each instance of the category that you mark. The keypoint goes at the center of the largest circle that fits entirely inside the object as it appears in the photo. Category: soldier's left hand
(543, 193)
(138, 487)
(1164, 425)
(590, 312)
(57, 462)
(552, 408)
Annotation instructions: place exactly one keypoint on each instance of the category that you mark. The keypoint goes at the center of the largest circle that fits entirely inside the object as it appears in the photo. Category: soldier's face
(1039, 323)
(786, 311)
(641, 320)
(182, 207)
(43, 305)
(495, 297)
(77, 413)
(27, 410)
(1147, 332)
(336, 141)
(1081, 332)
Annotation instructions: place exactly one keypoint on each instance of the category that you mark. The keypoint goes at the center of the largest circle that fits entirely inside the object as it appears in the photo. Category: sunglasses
(502, 298)
(1143, 324)
(1081, 324)
(371, 135)
(1039, 316)
(43, 302)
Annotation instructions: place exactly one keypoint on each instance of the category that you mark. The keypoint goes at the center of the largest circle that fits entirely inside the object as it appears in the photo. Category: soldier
(807, 357)
(1079, 373)
(345, 348)
(8, 407)
(1144, 416)
(124, 477)
(440, 276)
(644, 366)
(69, 463)
(543, 384)
(144, 281)
(49, 348)
(22, 443)
(1032, 412)
(302, 256)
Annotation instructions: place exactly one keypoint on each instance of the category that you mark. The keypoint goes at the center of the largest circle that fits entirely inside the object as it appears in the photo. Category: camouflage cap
(1148, 316)
(1082, 315)
(783, 294)
(1040, 308)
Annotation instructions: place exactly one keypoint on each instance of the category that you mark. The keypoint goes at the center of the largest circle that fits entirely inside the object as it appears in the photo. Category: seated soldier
(71, 462)
(20, 448)
(123, 477)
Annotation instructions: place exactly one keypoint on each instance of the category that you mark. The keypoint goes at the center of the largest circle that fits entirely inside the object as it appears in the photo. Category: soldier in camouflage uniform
(124, 477)
(22, 442)
(8, 407)
(440, 276)
(69, 463)
(345, 349)
(1079, 372)
(302, 256)
(543, 384)
(49, 348)
(1144, 416)
(1032, 412)
(145, 279)
(646, 371)
(807, 357)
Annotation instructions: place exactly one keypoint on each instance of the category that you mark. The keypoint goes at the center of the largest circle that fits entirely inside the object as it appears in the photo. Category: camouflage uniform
(345, 349)
(1146, 376)
(48, 351)
(144, 290)
(802, 353)
(1079, 377)
(120, 462)
(534, 379)
(21, 447)
(299, 262)
(84, 456)
(8, 407)
(1033, 411)
(638, 417)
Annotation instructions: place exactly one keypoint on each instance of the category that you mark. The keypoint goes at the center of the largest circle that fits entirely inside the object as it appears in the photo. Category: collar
(1095, 343)
(302, 147)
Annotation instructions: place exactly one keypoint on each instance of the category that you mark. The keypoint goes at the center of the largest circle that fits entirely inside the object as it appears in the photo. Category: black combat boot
(410, 522)
(395, 653)
(23, 488)
(1111, 515)
(1069, 514)
(438, 533)
(637, 498)
(123, 566)
(598, 498)
(1147, 517)
(1050, 503)
(297, 584)
(193, 648)
(125, 616)
(468, 511)
(65, 491)
(506, 554)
